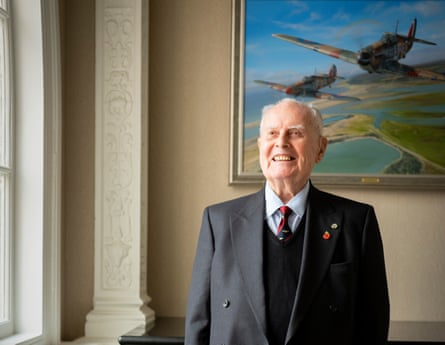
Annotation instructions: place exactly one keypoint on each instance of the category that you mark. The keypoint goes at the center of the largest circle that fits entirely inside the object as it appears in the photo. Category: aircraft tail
(333, 72)
(411, 35)
(412, 30)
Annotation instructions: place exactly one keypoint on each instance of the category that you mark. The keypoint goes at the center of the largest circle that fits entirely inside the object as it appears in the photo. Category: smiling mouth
(283, 158)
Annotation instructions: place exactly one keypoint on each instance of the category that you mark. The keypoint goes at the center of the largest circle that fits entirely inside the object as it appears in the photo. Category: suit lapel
(247, 241)
(323, 225)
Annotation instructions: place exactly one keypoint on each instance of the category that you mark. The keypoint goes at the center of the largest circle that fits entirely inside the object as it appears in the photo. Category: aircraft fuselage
(381, 55)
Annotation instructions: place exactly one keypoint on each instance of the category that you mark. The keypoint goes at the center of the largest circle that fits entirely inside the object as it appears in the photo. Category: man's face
(289, 144)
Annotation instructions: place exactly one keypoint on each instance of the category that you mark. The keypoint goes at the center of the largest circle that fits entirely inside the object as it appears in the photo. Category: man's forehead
(276, 120)
(287, 116)
(290, 126)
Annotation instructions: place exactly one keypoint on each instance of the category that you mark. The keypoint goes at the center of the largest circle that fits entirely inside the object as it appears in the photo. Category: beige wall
(77, 36)
(188, 167)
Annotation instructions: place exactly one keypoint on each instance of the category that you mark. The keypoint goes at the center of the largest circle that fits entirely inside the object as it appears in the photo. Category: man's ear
(322, 149)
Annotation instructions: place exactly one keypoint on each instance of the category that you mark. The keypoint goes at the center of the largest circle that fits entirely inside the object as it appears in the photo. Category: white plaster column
(120, 297)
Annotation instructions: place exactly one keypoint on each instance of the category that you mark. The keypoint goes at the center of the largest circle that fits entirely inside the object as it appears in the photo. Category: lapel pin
(326, 235)
(334, 226)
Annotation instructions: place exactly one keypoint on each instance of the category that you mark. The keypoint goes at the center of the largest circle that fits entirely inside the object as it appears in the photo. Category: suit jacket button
(333, 308)
(226, 303)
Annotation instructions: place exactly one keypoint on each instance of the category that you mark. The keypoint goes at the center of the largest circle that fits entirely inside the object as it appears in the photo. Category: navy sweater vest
(282, 263)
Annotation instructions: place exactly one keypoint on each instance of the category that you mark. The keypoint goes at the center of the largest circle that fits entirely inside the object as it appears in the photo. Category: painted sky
(344, 24)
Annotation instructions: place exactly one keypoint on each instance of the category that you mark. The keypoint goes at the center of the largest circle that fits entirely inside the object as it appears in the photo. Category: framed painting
(375, 70)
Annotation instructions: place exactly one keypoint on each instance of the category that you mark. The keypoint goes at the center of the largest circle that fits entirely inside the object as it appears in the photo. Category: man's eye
(294, 133)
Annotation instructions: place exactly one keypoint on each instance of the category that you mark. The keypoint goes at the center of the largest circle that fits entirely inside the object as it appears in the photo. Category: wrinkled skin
(290, 144)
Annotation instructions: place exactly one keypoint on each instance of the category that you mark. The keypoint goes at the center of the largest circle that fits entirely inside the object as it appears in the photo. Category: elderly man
(289, 264)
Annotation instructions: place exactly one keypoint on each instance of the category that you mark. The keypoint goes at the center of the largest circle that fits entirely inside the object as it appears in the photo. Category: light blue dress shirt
(297, 204)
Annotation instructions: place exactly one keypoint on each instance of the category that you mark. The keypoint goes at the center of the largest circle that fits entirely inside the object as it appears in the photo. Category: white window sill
(21, 339)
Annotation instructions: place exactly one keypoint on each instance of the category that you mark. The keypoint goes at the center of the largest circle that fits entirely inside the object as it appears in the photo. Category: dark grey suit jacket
(342, 296)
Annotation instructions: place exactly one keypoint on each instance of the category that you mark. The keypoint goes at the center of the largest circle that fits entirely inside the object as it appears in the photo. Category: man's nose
(282, 140)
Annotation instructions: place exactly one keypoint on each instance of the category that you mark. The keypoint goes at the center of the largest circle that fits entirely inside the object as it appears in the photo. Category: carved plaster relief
(119, 141)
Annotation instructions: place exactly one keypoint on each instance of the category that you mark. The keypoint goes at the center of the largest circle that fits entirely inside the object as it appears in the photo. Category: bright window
(6, 172)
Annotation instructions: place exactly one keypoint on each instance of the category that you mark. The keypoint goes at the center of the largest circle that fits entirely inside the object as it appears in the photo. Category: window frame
(7, 171)
(37, 166)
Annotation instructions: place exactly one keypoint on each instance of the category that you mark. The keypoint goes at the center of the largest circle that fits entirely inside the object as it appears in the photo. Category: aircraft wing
(294, 89)
(410, 71)
(342, 54)
(298, 90)
(426, 74)
(275, 86)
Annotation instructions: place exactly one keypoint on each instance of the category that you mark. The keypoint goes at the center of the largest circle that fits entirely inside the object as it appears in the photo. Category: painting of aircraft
(310, 86)
(395, 133)
(379, 57)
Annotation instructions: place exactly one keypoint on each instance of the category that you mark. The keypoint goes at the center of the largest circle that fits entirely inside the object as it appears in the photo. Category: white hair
(318, 120)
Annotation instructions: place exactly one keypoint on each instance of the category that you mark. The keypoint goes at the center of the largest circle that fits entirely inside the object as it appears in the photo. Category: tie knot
(285, 211)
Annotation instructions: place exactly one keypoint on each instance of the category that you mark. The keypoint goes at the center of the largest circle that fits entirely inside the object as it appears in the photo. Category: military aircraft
(379, 57)
(310, 85)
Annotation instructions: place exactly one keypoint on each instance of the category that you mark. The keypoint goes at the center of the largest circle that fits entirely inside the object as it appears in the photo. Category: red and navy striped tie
(284, 232)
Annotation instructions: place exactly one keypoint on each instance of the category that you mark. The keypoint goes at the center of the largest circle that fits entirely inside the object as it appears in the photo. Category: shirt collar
(297, 203)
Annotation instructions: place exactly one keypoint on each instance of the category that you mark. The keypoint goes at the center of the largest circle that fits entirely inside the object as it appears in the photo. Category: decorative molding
(120, 124)
(120, 298)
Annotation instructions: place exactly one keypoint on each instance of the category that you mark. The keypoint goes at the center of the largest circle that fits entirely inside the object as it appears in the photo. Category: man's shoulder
(338, 200)
(239, 202)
